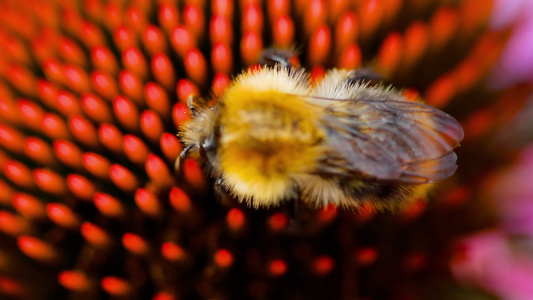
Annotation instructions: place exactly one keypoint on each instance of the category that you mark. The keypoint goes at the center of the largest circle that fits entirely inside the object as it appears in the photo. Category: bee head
(199, 134)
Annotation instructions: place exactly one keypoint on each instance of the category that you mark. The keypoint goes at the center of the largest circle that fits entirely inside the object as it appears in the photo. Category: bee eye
(202, 152)
(207, 146)
(209, 143)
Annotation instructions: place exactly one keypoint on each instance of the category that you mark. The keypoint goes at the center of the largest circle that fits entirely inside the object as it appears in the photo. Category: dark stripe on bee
(386, 195)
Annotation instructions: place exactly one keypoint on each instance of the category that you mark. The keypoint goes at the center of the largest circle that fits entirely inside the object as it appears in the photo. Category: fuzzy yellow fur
(268, 137)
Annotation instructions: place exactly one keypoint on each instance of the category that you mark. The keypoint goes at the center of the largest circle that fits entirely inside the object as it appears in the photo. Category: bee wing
(395, 141)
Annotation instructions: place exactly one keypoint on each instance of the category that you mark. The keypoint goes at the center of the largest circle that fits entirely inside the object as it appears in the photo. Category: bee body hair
(273, 137)
(268, 136)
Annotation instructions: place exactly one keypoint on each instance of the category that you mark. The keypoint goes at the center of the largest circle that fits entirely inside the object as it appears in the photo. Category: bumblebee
(273, 136)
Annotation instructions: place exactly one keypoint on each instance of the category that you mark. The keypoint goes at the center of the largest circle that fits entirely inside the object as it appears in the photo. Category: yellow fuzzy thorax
(268, 138)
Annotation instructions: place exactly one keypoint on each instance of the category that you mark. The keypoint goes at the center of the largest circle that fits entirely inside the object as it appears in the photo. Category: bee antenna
(193, 102)
(178, 165)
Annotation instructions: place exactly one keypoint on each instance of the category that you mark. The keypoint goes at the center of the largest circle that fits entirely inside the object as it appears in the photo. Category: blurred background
(92, 93)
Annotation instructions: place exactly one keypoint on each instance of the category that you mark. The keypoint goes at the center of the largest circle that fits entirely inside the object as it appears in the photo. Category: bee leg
(221, 193)
(178, 164)
(294, 212)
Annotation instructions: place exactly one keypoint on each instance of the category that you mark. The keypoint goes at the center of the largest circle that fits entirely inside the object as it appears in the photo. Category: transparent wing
(396, 141)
